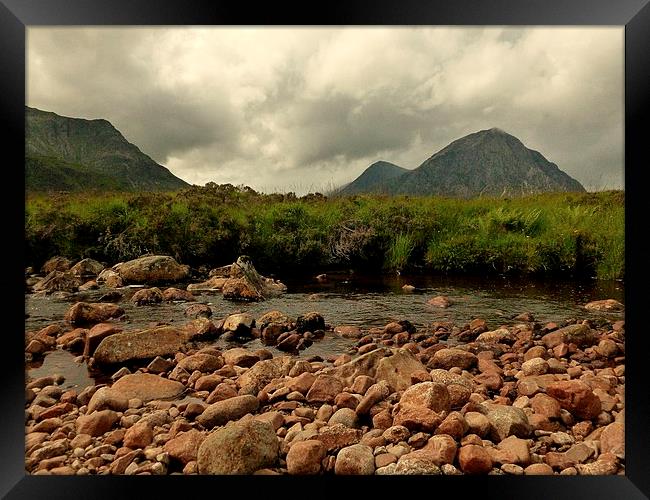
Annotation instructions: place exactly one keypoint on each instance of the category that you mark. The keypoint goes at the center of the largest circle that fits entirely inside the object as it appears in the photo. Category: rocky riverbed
(478, 397)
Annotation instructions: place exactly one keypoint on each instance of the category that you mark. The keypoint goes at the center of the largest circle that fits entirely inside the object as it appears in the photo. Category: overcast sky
(307, 109)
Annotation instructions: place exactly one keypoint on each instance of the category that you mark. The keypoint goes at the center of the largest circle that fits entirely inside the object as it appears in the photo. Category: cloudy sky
(307, 109)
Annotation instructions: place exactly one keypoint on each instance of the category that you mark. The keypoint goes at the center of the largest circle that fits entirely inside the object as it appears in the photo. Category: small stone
(474, 460)
(305, 457)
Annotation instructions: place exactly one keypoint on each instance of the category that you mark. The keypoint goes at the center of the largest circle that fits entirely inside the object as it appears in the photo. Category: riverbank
(183, 380)
(564, 234)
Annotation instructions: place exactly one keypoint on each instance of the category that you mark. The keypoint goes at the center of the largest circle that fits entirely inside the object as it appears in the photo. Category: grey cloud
(309, 108)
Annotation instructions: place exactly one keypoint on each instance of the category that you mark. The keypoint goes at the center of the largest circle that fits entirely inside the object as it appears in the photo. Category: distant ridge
(375, 179)
(74, 154)
(489, 162)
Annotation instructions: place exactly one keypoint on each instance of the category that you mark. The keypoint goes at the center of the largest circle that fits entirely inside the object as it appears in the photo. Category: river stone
(608, 305)
(255, 378)
(427, 394)
(213, 283)
(612, 439)
(449, 358)
(272, 317)
(147, 387)
(147, 296)
(365, 364)
(57, 281)
(459, 388)
(580, 335)
(96, 423)
(83, 312)
(240, 289)
(153, 269)
(143, 344)
(185, 446)
(172, 294)
(324, 389)
(239, 448)
(106, 398)
(474, 459)
(506, 421)
(239, 324)
(229, 409)
(96, 334)
(576, 397)
(87, 267)
(56, 263)
(356, 460)
(305, 457)
(501, 335)
(397, 369)
(416, 463)
(202, 362)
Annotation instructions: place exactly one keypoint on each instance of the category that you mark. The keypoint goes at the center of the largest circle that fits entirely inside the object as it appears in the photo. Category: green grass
(564, 234)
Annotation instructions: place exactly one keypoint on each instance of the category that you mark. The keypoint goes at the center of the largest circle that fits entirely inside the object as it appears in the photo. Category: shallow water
(348, 299)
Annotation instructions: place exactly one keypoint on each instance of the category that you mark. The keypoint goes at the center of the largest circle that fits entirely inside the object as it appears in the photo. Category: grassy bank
(569, 234)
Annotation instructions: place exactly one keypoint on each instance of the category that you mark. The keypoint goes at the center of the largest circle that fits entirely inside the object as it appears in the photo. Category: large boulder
(153, 269)
(87, 268)
(57, 263)
(143, 344)
(247, 284)
(239, 448)
(57, 281)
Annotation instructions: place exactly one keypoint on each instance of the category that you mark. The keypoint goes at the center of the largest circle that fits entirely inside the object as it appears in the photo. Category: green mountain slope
(64, 153)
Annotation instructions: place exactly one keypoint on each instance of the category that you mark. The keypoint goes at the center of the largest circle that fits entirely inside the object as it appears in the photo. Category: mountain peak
(488, 162)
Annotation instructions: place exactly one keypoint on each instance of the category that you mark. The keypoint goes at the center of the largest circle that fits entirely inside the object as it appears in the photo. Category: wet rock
(87, 268)
(355, 460)
(56, 263)
(581, 335)
(200, 329)
(198, 311)
(576, 397)
(240, 289)
(439, 301)
(310, 322)
(348, 331)
(474, 459)
(452, 357)
(305, 457)
(239, 324)
(147, 296)
(500, 336)
(290, 343)
(147, 387)
(144, 344)
(607, 305)
(239, 448)
(172, 294)
(57, 281)
(96, 334)
(85, 313)
(153, 269)
(230, 409)
(213, 283)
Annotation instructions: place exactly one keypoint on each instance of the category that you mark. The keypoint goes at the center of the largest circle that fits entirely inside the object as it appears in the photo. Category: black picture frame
(17, 15)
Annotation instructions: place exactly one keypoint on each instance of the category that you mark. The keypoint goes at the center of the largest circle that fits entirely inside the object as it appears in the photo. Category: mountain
(375, 179)
(489, 162)
(74, 154)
